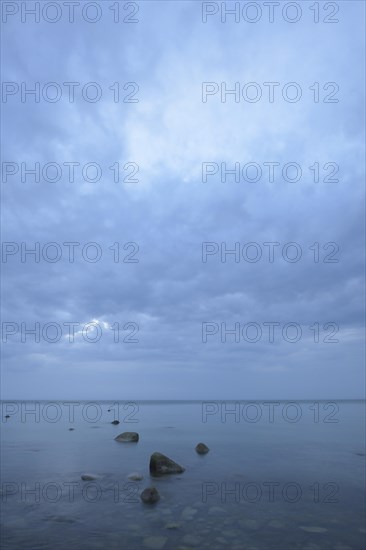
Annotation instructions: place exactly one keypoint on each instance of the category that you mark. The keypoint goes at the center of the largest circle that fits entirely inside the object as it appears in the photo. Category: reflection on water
(283, 476)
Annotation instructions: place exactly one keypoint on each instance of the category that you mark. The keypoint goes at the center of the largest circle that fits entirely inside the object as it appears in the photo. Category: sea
(279, 475)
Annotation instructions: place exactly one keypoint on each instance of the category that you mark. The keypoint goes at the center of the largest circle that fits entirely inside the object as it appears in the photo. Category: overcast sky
(171, 301)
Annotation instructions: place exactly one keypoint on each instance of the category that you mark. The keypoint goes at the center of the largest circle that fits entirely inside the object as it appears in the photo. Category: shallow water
(278, 476)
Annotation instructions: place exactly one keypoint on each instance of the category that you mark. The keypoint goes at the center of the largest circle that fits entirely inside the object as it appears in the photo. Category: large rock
(202, 449)
(150, 495)
(161, 464)
(127, 436)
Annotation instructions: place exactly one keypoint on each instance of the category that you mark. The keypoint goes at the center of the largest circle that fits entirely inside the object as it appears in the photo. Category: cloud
(170, 212)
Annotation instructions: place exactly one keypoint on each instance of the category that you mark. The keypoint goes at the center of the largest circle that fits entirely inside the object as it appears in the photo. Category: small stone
(314, 529)
(276, 524)
(115, 422)
(202, 449)
(126, 437)
(188, 513)
(71, 429)
(7, 416)
(216, 511)
(172, 525)
(230, 533)
(249, 523)
(134, 527)
(161, 464)
(88, 477)
(192, 540)
(155, 543)
(135, 476)
(61, 519)
(150, 495)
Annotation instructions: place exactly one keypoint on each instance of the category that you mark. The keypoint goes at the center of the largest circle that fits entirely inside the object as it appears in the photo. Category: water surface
(278, 475)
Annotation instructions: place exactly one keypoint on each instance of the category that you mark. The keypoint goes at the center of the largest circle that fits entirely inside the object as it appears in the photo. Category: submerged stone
(135, 476)
(276, 524)
(150, 495)
(155, 543)
(192, 540)
(172, 525)
(216, 511)
(60, 519)
(188, 513)
(314, 529)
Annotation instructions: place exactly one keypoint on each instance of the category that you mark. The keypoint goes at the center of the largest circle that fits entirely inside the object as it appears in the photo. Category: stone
(202, 449)
(7, 416)
(249, 523)
(115, 422)
(61, 519)
(276, 524)
(161, 464)
(134, 527)
(313, 529)
(71, 429)
(135, 476)
(192, 540)
(155, 543)
(150, 495)
(188, 513)
(216, 511)
(126, 437)
(230, 533)
(172, 525)
(88, 477)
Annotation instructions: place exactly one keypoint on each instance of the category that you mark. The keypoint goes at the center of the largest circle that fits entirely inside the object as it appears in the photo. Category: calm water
(286, 476)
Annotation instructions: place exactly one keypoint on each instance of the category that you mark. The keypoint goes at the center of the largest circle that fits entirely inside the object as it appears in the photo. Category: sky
(158, 307)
